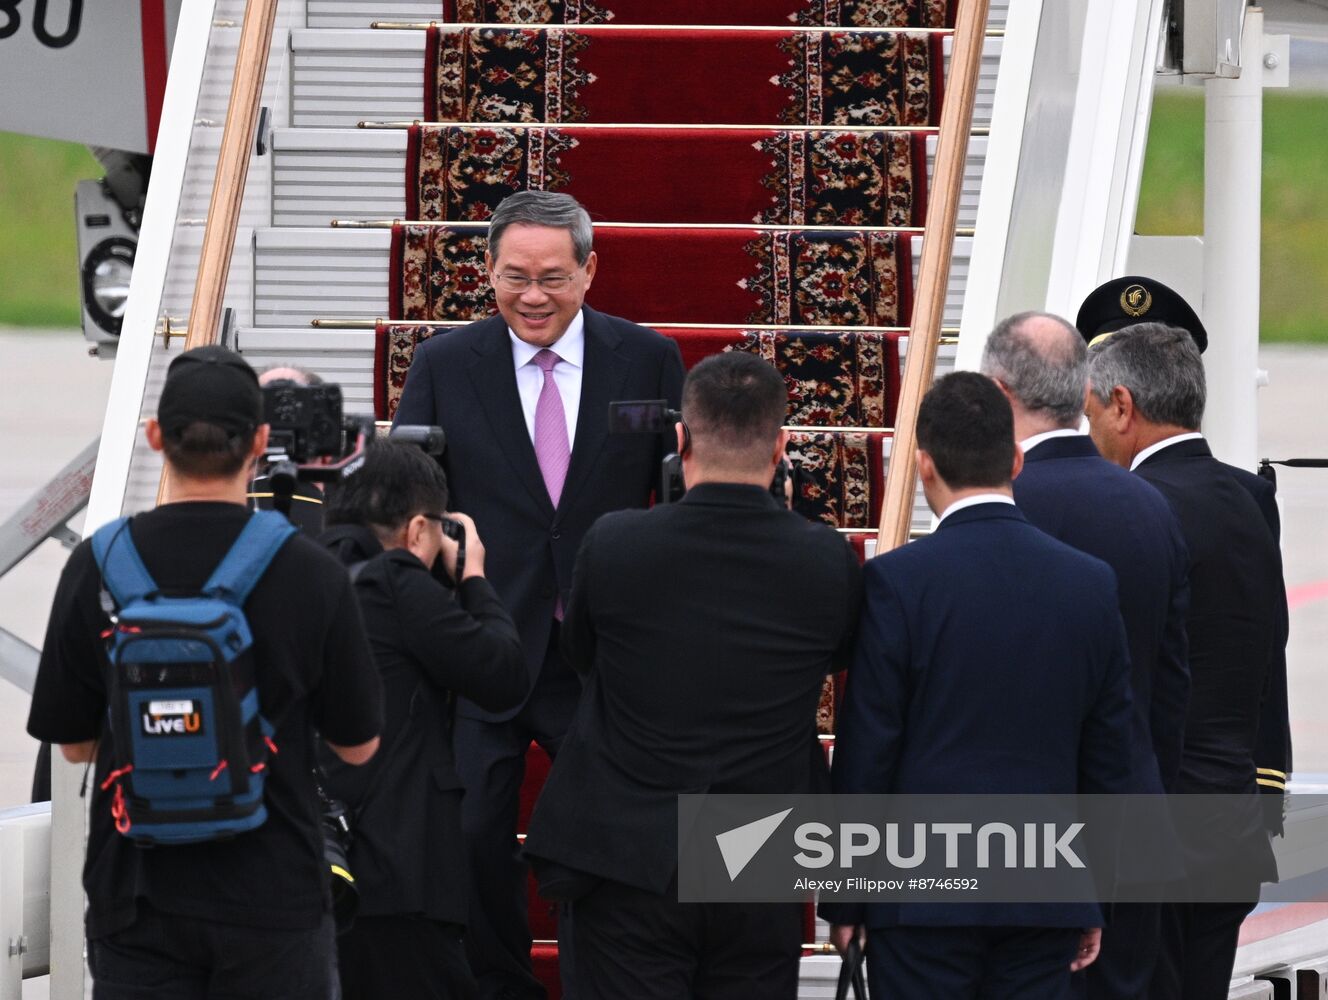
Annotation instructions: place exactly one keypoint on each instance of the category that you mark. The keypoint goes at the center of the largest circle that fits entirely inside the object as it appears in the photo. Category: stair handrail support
(924, 335)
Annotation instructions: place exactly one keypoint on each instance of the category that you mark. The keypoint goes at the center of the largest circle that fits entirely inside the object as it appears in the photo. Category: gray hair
(1161, 367)
(1044, 376)
(543, 208)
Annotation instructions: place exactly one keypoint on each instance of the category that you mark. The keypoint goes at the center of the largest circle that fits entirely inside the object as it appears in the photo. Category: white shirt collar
(973, 501)
(1164, 443)
(571, 346)
(1029, 443)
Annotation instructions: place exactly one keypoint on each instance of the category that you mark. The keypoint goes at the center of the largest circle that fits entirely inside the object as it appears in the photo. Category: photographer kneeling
(430, 645)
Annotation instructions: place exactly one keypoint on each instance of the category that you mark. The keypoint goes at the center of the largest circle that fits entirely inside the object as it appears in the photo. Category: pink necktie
(551, 448)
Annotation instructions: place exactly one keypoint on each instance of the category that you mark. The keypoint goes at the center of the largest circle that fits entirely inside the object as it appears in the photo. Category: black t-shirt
(314, 672)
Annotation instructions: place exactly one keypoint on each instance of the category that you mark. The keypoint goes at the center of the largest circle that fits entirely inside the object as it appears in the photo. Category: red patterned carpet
(814, 13)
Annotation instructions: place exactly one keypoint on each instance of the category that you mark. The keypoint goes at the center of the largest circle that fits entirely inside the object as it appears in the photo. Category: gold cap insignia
(1136, 300)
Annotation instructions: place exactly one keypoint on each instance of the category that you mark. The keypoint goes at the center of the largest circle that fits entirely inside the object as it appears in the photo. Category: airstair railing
(934, 273)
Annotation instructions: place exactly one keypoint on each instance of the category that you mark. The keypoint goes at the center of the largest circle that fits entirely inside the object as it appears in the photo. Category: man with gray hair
(1144, 409)
(1069, 491)
(523, 398)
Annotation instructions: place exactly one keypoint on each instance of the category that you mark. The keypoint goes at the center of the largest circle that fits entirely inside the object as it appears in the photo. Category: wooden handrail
(934, 271)
(223, 218)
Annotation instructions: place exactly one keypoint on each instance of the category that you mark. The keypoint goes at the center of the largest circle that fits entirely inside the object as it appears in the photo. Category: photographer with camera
(205, 873)
(388, 523)
(306, 499)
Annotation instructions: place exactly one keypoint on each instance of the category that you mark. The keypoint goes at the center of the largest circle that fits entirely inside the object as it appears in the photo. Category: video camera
(654, 416)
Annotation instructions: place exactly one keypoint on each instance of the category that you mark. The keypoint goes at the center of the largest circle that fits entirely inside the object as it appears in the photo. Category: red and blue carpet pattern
(771, 177)
(764, 277)
(663, 76)
(811, 13)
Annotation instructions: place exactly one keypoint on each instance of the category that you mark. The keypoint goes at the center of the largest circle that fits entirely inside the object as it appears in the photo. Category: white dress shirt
(571, 347)
(973, 501)
(1029, 443)
(1164, 443)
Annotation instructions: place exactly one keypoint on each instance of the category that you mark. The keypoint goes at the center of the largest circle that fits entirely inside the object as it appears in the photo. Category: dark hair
(543, 208)
(396, 482)
(966, 426)
(734, 405)
(206, 451)
(1161, 367)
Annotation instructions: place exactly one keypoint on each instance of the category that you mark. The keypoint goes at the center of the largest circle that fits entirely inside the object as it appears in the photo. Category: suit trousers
(1198, 950)
(491, 761)
(1130, 944)
(404, 956)
(982, 963)
(648, 946)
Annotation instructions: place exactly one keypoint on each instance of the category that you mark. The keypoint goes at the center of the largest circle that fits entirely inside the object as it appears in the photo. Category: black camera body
(306, 420)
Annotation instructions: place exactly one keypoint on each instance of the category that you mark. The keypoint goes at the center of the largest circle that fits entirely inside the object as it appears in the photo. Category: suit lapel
(494, 378)
(602, 377)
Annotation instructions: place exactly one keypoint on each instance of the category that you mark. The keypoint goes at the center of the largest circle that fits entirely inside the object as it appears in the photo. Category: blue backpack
(190, 742)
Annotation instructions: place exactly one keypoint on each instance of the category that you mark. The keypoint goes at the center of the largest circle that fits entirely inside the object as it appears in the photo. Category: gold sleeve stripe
(268, 496)
(1272, 783)
(1271, 773)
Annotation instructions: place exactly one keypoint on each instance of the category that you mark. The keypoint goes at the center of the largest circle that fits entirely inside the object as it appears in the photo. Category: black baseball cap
(210, 385)
(1130, 300)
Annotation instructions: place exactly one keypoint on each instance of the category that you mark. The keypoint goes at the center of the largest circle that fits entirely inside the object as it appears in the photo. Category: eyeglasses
(519, 282)
(435, 517)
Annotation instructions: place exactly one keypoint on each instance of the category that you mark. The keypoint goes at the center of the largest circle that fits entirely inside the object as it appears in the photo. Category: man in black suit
(699, 678)
(991, 659)
(523, 399)
(1071, 492)
(1146, 404)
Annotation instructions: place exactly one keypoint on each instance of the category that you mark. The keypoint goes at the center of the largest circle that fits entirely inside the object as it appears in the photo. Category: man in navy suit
(1147, 401)
(991, 659)
(523, 399)
(1071, 492)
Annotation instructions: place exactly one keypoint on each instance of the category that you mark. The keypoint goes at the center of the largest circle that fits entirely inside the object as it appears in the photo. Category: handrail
(934, 272)
(223, 218)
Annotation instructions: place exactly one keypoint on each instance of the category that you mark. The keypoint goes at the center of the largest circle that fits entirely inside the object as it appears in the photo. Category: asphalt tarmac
(52, 397)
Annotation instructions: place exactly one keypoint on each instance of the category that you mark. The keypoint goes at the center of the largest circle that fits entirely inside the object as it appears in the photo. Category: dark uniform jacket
(429, 644)
(1237, 631)
(1072, 493)
(464, 381)
(991, 659)
(704, 630)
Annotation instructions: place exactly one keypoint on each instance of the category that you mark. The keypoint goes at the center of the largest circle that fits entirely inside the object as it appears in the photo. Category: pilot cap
(210, 385)
(1132, 299)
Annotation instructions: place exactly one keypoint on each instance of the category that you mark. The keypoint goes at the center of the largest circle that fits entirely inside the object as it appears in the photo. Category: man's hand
(842, 934)
(1090, 943)
(474, 549)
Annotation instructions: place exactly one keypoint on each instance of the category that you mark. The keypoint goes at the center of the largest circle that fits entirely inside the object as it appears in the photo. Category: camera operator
(431, 645)
(306, 507)
(697, 679)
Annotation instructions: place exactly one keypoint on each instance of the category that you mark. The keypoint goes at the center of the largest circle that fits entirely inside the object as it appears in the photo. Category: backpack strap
(122, 569)
(249, 557)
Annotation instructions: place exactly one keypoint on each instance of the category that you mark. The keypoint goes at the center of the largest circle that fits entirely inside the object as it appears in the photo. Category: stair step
(340, 78)
(325, 174)
(302, 274)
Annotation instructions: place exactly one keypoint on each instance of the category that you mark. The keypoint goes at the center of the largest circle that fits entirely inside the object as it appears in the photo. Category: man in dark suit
(1071, 492)
(1146, 404)
(523, 399)
(699, 678)
(991, 659)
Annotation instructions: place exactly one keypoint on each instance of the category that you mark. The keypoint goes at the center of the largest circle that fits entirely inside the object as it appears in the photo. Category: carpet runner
(655, 275)
(772, 177)
(824, 13)
(734, 76)
(835, 378)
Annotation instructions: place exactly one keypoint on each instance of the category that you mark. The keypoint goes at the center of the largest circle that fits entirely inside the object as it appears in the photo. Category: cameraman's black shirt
(314, 671)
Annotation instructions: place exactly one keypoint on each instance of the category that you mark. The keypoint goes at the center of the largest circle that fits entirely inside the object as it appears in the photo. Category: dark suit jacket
(464, 381)
(1237, 630)
(428, 644)
(701, 674)
(1072, 493)
(991, 659)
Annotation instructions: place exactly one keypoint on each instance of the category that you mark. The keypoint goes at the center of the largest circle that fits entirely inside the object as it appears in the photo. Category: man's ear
(781, 445)
(926, 467)
(153, 432)
(591, 263)
(1017, 466)
(1122, 407)
(259, 446)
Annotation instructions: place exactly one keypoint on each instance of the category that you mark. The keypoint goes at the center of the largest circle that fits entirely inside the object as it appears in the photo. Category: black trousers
(168, 957)
(1130, 944)
(647, 946)
(1198, 950)
(990, 963)
(491, 761)
(404, 956)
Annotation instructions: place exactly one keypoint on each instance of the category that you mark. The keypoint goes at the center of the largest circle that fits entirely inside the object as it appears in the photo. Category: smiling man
(523, 398)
